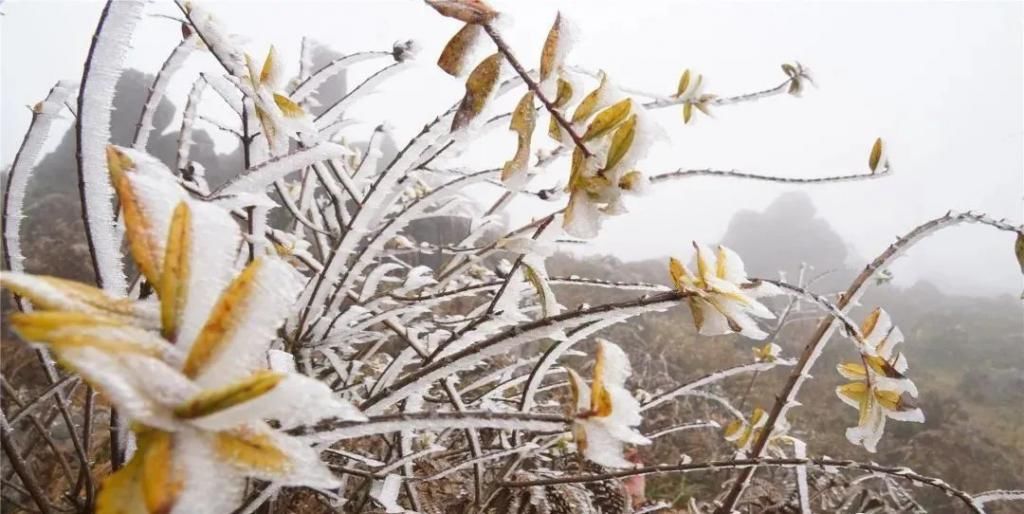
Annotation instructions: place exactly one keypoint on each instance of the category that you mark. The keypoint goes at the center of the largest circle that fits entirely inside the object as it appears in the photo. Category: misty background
(940, 81)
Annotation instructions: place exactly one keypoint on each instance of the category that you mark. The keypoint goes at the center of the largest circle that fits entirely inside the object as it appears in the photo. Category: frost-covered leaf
(608, 119)
(469, 11)
(480, 86)
(622, 141)
(453, 58)
(513, 174)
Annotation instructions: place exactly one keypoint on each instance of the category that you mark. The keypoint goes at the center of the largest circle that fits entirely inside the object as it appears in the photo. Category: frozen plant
(291, 338)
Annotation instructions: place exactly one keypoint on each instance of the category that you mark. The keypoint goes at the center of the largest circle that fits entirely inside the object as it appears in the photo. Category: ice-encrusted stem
(43, 115)
(103, 68)
(815, 345)
(156, 91)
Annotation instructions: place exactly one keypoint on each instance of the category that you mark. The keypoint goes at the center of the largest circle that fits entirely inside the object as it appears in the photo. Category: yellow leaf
(870, 322)
(576, 170)
(216, 400)
(41, 326)
(622, 141)
(37, 288)
(631, 181)
(174, 282)
(855, 391)
(550, 51)
(453, 57)
(268, 73)
(1018, 249)
(883, 367)
(479, 85)
(758, 417)
(561, 100)
(684, 83)
(160, 486)
(222, 321)
(874, 160)
(677, 270)
(252, 450)
(687, 112)
(137, 226)
(732, 430)
(146, 484)
(889, 400)
(588, 105)
(697, 311)
(523, 122)
(608, 119)
(288, 108)
(851, 370)
(789, 70)
(469, 11)
(600, 398)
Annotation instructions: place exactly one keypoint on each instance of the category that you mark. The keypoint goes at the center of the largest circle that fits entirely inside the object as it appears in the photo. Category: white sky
(940, 81)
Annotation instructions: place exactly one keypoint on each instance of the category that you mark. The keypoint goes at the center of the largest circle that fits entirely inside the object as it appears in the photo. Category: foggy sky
(940, 81)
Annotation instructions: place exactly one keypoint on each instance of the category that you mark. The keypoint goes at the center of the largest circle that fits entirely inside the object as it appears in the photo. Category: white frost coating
(257, 179)
(469, 422)
(188, 118)
(386, 493)
(314, 81)
(95, 106)
(466, 360)
(156, 91)
(20, 172)
(372, 282)
(358, 228)
(552, 356)
(712, 378)
(227, 90)
(325, 122)
(981, 499)
(528, 447)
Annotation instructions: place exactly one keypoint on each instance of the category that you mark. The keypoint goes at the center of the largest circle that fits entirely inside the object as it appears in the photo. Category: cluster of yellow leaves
(689, 91)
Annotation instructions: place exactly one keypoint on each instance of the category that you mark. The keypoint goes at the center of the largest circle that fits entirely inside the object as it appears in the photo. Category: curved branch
(678, 174)
(786, 399)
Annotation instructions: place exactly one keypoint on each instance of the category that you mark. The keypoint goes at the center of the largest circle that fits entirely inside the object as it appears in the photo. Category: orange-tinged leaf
(222, 321)
(874, 160)
(41, 326)
(36, 288)
(215, 400)
(479, 86)
(146, 484)
(870, 322)
(160, 486)
(174, 282)
(252, 450)
(469, 11)
(622, 141)
(523, 123)
(137, 226)
(576, 386)
(288, 108)
(549, 54)
(600, 398)
(677, 271)
(453, 57)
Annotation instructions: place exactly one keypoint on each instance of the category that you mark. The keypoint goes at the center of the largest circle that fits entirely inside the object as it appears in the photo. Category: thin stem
(821, 335)
(530, 83)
